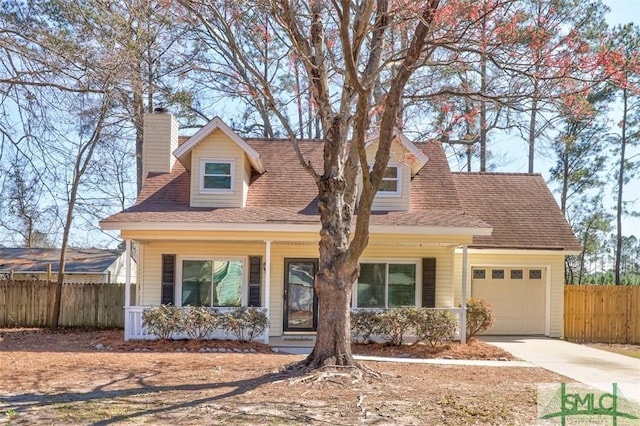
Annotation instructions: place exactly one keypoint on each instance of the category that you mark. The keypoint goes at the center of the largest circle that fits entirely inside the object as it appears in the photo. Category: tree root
(366, 413)
(332, 373)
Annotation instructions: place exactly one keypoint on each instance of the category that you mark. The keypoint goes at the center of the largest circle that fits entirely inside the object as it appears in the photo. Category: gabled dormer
(405, 161)
(220, 163)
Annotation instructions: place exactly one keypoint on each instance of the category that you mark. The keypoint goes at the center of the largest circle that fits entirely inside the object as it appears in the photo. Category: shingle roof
(286, 193)
(37, 259)
(519, 207)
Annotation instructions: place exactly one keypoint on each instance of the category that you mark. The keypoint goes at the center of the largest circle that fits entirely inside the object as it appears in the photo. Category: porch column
(127, 279)
(463, 326)
(267, 286)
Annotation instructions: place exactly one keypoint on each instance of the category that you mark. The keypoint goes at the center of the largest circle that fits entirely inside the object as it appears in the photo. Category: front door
(300, 303)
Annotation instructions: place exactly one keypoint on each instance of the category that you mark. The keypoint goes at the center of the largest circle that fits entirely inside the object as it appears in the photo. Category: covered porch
(276, 291)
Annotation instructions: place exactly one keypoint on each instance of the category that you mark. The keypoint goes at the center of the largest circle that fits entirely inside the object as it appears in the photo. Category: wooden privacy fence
(602, 313)
(29, 304)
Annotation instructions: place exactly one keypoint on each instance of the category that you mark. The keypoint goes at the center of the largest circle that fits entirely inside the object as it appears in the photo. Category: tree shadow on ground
(22, 402)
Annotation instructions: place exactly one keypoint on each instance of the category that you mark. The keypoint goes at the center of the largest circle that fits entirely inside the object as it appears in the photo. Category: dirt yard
(62, 378)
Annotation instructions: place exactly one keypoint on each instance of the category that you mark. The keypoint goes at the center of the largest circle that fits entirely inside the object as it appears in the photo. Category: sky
(512, 149)
(622, 12)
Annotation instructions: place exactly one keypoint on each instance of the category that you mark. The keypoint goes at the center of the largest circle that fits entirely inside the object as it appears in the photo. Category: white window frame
(397, 179)
(232, 170)
(244, 298)
(387, 262)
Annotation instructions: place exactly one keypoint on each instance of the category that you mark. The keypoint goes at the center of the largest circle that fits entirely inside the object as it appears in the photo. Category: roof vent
(160, 110)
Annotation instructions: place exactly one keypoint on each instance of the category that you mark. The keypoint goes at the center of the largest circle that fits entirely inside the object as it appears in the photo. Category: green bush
(199, 322)
(163, 320)
(364, 325)
(245, 323)
(433, 326)
(480, 316)
(394, 324)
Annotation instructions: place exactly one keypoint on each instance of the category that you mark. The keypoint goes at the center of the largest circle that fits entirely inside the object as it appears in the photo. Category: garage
(517, 295)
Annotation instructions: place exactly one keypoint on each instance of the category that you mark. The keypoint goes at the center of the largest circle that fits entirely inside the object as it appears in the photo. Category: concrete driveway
(593, 367)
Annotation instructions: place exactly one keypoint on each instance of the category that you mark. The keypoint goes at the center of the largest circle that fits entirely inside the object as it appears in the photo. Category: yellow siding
(151, 256)
(160, 139)
(393, 203)
(554, 264)
(218, 146)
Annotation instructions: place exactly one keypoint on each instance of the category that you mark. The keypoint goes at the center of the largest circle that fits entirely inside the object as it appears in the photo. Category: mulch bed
(74, 340)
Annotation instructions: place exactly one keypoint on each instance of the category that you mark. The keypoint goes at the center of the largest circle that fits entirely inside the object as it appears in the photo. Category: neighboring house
(225, 221)
(83, 265)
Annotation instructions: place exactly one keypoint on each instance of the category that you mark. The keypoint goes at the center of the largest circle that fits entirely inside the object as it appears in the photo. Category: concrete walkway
(593, 367)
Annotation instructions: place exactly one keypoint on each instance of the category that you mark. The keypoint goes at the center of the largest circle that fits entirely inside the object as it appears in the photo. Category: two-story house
(226, 221)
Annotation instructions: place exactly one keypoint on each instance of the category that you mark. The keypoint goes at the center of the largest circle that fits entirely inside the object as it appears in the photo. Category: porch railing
(135, 330)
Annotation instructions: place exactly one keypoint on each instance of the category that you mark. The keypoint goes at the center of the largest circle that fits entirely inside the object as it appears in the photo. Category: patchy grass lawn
(73, 383)
(620, 348)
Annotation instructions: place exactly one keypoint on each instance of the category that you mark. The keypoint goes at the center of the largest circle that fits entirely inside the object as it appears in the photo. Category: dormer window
(217, 175)
(392, 181)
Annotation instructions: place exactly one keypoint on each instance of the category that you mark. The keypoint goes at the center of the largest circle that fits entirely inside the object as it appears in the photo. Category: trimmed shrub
(480, 316)
(163, 320)
(245, 323)
(364, 325)
(394, 324)
(433, 326)
(199, 322)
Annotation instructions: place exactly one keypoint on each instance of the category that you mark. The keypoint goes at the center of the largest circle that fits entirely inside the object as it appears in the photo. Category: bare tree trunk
(57, 298)
(138, 120)
(80, 166)
(623, 143)
(73, 196)
(565, 183)
(333, 345)
(532, 125)
(483, 115)
(336, 273)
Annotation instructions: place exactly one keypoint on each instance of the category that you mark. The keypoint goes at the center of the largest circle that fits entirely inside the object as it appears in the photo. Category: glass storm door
(300, 303)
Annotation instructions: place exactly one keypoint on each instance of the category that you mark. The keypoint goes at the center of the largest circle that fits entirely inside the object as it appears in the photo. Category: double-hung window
(217, 175)
(212, 283)
(386, 285)
(391, 184)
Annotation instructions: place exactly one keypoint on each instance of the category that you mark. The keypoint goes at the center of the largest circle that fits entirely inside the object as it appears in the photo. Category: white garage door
(517, 296)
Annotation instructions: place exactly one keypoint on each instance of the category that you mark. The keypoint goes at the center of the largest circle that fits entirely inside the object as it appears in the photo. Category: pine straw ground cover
(61, 378)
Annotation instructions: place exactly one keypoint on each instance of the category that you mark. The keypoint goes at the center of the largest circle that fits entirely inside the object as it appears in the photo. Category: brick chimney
(159, 140)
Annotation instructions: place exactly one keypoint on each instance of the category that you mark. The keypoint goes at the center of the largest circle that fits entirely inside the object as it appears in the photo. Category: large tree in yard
(356, 33)
(625, 80)
(358, 57)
